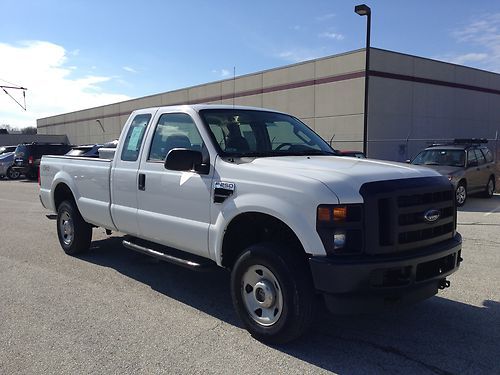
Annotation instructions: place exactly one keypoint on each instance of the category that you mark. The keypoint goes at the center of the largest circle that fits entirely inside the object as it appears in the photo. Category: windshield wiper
(308, 152)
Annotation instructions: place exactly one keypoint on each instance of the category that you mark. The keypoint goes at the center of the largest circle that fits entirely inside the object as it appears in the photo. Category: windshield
(257, 133)
(455, 158)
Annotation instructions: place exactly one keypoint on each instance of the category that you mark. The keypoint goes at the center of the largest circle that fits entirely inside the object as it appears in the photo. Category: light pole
(364, 10)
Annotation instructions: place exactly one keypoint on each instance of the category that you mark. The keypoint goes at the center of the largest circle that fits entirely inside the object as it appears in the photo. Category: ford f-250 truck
(259, 193)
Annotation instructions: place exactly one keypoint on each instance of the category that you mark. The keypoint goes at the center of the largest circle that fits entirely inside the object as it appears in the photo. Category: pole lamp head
(362, 10)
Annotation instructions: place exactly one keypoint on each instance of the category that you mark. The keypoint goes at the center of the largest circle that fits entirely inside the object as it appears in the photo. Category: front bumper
(368, 283)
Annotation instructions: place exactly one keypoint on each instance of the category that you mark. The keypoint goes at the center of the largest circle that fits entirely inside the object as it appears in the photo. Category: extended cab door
(174, 206)
(124, 174)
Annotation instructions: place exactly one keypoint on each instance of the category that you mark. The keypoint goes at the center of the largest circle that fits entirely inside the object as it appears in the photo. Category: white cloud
(129, 69)
(325, 17)
(299, 54)
(222, 72)
(482, 35)
(329, 35)
(52, 88)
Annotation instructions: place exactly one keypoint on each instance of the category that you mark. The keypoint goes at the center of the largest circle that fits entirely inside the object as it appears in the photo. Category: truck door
(174, 206)
(124, 175)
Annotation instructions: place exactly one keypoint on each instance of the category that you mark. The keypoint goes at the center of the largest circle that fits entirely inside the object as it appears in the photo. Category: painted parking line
(492, 211)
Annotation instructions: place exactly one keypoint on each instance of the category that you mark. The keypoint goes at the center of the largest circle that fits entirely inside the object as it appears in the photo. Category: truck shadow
(437, 336)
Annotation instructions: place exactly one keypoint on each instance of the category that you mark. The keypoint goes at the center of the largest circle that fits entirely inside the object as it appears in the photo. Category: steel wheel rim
(66, 228)
(461, 194)
(262, 295)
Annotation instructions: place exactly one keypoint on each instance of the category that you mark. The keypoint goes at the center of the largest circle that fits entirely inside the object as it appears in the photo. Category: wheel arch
(63, 192)
(252, 227)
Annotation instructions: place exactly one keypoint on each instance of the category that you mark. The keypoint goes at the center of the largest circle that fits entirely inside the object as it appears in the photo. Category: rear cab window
(133, 140)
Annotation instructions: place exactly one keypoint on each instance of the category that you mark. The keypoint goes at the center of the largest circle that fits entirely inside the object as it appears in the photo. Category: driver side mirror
(472, 163)
(407, 161)
(183, 159)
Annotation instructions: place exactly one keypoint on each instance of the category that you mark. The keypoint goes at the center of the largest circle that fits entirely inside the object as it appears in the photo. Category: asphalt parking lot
(115, 311)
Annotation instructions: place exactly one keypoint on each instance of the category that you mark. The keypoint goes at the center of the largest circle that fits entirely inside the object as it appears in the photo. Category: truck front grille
(395, 214)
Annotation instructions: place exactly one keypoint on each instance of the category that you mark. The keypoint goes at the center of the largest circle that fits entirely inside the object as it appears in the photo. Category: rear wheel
(12, 174)
(490, 188)
(73, 232)
(461, 194)
(273, 293)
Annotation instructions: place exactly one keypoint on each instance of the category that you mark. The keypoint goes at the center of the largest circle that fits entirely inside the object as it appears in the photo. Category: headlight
(340, 228)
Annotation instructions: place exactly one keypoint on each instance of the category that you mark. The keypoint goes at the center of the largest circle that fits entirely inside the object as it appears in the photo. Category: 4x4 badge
(432, 215)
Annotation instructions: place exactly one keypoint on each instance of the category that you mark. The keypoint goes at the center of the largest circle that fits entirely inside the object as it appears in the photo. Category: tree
(29, 130)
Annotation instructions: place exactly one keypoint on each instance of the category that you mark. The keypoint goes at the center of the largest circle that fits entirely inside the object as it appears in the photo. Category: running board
(170, 255)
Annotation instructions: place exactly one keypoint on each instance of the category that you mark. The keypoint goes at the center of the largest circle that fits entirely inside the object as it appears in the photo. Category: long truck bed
(91, 186)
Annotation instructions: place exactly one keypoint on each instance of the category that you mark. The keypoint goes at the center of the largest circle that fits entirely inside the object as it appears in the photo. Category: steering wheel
(280, 146)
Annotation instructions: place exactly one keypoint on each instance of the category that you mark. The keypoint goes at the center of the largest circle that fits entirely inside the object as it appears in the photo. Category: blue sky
(77, 54)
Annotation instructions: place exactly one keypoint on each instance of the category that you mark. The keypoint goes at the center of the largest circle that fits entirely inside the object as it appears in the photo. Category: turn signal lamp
(339, 213)
(328, 213)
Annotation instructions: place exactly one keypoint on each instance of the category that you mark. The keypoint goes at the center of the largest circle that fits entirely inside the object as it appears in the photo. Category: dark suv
(467, 163)
(27, 156)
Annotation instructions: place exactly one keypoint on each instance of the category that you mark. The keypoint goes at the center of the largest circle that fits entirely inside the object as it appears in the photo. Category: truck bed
(91, 185)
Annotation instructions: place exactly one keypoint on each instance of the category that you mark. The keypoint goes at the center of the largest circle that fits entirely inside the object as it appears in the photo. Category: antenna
(331, 139)
(234, 83)
(13, 86)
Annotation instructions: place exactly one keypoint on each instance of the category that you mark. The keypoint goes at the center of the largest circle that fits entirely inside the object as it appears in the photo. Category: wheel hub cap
(262, 295)
(66, 228)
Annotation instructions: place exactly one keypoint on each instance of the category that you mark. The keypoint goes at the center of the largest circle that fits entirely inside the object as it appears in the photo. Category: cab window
(174, 130)
(133, 140)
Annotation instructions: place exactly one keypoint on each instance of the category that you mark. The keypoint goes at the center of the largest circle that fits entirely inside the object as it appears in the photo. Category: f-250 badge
(223, 190)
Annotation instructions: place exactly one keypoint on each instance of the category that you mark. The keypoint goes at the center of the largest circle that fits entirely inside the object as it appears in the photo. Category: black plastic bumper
(370, 283)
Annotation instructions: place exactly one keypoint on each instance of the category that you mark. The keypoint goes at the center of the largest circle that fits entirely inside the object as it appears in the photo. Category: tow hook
(443, 284)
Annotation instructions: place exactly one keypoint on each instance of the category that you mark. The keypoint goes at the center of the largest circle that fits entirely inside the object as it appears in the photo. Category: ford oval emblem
(432, 215)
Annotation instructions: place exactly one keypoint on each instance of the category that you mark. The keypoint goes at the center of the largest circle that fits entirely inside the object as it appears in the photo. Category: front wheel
(461, 194)
(272, 292)
(12, 174)
(73, 232)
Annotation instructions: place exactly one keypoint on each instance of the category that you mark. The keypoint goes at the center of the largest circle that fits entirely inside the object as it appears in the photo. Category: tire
(461, 194)
(490, 188)
(273, 293)
(12, 174)
(73, 232)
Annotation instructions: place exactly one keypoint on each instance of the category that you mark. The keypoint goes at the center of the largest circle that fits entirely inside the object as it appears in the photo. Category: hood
(445, 170)
(343, 176)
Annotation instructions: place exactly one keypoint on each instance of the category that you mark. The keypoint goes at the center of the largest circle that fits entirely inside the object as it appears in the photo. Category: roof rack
(469, 141)
(43, 143)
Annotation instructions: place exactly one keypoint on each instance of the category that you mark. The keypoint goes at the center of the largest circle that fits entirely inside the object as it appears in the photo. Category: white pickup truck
(259, 193)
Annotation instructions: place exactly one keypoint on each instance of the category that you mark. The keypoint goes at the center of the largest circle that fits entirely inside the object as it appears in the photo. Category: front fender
(301, 222)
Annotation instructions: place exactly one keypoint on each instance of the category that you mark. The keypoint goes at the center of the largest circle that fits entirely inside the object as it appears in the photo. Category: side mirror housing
(407, 161)
(182, 159)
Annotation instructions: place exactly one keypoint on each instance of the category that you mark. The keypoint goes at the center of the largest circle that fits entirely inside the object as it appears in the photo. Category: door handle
(142, 181)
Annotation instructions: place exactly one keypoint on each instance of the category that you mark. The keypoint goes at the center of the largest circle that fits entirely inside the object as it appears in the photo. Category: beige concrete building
(412, 101)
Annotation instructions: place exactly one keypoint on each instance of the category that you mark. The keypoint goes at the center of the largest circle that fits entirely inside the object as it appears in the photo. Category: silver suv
(467, 163)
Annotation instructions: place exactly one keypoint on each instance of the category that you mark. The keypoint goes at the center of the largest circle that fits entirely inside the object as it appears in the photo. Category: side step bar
(167, 254)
